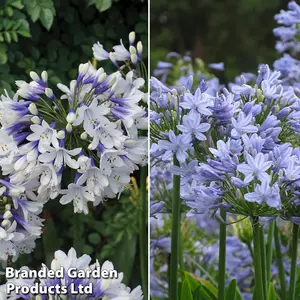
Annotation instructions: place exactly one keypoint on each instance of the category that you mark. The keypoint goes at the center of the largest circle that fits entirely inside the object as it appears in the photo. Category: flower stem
(280, 263)
(222, 257)
(257, 260)
(175, 235)
(294, 262)
(263, 261)
(143, 229)
(270, 248)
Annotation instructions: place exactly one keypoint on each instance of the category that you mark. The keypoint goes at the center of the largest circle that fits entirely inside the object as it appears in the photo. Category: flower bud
(38, 297)
(7, 215)
(139, 47)
(112, 57)
(44, 76)
(7, 207)
(134, 58)
(49, 93)
(63, 88)
(145, 98)
(69, 128)
(2, 190)
(100, 71)
(131, 37)
(114, 87)
(132, 50)
(102, 77)
(32, 109)
(71, 117)
(239, 194)
(61, 135)
(83, 68)
(36, 120)
(5, 223)
(244, 230)
(84, 136)
(34, 76)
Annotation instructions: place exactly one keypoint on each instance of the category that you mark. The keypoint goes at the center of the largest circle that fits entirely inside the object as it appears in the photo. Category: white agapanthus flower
(56, 146)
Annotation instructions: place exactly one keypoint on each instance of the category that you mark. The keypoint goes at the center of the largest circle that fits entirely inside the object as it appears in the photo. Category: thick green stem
(143, 229)
(259, 291)
(176, 221)
(263, 261)
(222, 257)
(270, 248)
(294, 262)
(280, 263)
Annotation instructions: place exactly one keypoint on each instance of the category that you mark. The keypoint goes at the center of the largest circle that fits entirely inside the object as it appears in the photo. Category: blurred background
(236, 32)
(56, 36)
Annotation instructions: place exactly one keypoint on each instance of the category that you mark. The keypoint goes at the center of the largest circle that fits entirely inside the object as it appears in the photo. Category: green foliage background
(57, 36)
(236, 32)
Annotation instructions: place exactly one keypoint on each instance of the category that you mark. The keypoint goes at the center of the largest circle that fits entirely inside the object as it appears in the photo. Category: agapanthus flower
(133, 54)
(49, 133)
(20, 222)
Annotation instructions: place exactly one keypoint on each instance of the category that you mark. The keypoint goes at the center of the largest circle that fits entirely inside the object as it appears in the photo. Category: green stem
(294, 262)
(143, 229)
(175, 235)
(270, 248)
(280, 263)
(263, 261)
(259, 291)
(222, 257)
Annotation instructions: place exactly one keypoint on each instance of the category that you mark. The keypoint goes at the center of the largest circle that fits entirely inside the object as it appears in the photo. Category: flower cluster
(20, 224)
(90, 131)
(288, 34)
(110, 289)
(236, 150)
(120, 53)
(243, 139)
(77, 144)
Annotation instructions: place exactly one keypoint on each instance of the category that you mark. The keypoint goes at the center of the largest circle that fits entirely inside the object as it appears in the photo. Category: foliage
(216, 30)
(73, 26)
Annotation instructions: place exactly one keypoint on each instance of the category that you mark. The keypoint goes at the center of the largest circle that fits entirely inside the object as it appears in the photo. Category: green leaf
(17, 4)
(50, 240)
(201, 294)
(125, 256)
(186, 293)
(193, 282)
(103, 5)
(47, 18)
(297, 292)
(24, 29)
(35, 13)
(3, 54)
(94, 238)
(272, 294)
(209, 286)
(7, 36)
(231, 290)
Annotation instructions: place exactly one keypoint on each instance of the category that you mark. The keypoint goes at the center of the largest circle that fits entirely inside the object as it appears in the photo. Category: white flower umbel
(20, 225)
(89, 134)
